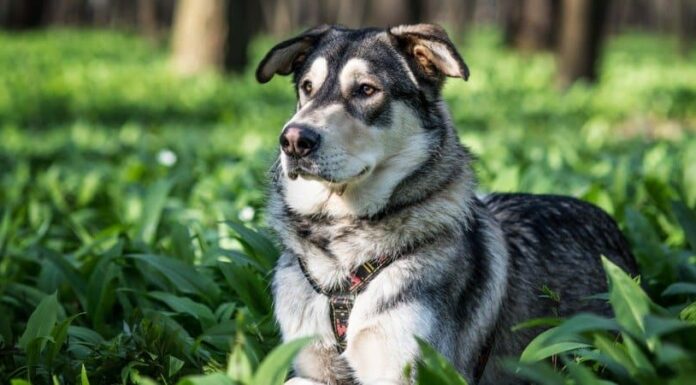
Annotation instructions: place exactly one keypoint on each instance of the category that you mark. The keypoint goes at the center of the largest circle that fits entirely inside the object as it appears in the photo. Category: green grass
(123, 187)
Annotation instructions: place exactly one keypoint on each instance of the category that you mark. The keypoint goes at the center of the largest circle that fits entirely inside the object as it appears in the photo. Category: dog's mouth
(312, 172)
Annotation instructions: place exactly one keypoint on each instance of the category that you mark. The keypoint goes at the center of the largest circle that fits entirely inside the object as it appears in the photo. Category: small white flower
(246, 214)
(166, 158)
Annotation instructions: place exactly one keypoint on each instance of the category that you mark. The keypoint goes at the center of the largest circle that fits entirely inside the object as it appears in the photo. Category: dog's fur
(390, 178)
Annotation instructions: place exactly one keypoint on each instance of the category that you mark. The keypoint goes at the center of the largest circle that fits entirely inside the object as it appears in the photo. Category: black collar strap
(341, 300)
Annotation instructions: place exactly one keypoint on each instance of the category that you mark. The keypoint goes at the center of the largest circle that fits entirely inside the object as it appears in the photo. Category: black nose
(298, 141)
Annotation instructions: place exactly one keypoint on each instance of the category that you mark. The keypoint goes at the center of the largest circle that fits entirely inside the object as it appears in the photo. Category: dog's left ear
(431, 50)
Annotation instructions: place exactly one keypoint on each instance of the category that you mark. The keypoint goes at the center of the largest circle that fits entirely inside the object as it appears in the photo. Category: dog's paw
(301, 381)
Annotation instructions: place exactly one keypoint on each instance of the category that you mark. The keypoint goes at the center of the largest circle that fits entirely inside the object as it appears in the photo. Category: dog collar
(341, 300)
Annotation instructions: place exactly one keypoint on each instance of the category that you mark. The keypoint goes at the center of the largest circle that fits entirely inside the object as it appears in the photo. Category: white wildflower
(246, 214)
(166, 157)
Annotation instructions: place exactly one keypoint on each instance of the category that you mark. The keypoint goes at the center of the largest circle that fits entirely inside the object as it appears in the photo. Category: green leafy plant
(129, 198)
(644, 344)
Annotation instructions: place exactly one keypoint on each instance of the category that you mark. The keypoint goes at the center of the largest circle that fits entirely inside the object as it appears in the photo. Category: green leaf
(581, 374)
(688, 313)
(153, 206)
(19, 381)
(234, 256)
(182, 243)
(174, 365)
(140, 380)
(639, 359)
(628, 300)
(568, 332)
(536, 322)
(185, 305)
(220, 335)
(274, 368)
(183, 276)
(85, 335)
(251, 288)
(70, 273)
(209, 379)
(41, 322)
(687, 220)
(537, 372)
(647, 247)
(101, 289)
(680, 288)
(59, 334)
(256, 244)
(616, 352)
(658, 326)
(83, 376)
(239, 366)
(550, 350)
(433, 368)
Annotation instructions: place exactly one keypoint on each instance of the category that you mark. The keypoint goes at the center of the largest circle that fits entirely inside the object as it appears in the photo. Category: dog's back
(555, 244)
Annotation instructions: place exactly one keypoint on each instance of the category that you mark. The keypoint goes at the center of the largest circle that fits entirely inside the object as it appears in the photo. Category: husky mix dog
(384, 238)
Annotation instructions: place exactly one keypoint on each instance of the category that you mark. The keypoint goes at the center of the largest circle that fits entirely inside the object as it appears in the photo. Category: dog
(384, 238)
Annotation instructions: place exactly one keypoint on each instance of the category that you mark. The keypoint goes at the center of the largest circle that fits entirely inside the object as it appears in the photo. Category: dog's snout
(298, 141)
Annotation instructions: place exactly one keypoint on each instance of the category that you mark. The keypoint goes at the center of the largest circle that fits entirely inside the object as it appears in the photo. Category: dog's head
(364, 98)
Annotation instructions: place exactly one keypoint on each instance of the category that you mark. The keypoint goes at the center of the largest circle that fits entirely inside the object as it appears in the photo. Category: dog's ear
(431, 50)
(286, 56)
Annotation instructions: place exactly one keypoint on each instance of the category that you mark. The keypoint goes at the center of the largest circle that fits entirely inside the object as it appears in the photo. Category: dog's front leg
(378, 353)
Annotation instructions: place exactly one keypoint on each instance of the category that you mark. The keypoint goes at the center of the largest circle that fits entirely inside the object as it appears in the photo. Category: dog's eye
(307, 87)
(366, 90)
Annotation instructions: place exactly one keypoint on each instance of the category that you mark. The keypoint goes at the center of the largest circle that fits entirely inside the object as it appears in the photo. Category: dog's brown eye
(366, 90)
(307, 87)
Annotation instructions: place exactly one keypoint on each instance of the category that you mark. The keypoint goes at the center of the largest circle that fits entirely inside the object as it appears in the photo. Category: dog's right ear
(286, 56)
(432, 51)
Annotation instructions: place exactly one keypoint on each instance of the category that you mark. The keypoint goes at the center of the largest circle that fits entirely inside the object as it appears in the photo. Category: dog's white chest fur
(373, 337)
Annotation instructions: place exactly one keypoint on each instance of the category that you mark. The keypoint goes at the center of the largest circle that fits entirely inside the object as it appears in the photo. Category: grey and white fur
(372, 166)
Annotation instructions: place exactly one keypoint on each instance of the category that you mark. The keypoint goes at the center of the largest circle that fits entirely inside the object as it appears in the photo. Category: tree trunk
(198, 39)
(22, 14)
(213, 34)
(581, 36)
(512, 17)
(147, 18)
(455, 15)
(67, 12)
(532, 25)
(351, 14)
(685, 25)
(243, 17)
(394, 12)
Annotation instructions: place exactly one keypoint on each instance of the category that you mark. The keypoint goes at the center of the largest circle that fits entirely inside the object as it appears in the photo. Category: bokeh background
(134, 143)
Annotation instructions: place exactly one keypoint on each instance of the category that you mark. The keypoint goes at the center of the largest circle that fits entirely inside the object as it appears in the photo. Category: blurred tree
(22, 14)
(198, 39)
(394, 12)
(532, 25)
(351, 13)
(243, 17)
(582, 24)
(212, 35)
(686, 24)
(279, 16)
(455, 15)
(147, 18)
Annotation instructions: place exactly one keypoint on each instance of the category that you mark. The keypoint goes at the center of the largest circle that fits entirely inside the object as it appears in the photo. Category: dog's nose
(298, 141)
